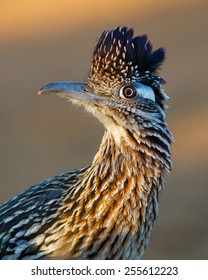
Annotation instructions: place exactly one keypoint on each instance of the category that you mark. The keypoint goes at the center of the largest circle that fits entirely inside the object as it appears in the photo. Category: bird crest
(119, 57)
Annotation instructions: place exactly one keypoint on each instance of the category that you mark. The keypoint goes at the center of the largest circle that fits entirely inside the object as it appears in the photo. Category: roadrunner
(106, 210)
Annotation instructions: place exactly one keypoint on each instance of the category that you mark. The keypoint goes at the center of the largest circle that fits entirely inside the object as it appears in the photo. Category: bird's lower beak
(70, 91)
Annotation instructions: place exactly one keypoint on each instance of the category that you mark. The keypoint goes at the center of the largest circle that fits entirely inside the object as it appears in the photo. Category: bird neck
(120, 190)
(124, 161)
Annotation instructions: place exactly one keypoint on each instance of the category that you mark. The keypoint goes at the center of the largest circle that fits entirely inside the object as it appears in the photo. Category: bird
(106, 210)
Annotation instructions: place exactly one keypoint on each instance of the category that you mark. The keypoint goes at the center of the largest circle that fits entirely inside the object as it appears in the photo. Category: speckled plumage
(106, 210)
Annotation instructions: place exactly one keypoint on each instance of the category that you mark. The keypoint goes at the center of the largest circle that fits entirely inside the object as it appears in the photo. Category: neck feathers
(148, 148)
(121, 190)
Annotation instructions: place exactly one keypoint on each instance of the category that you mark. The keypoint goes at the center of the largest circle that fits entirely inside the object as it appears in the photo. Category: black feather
(156, 59)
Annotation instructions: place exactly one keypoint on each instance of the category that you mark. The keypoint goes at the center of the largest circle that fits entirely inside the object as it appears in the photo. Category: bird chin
(77, 102)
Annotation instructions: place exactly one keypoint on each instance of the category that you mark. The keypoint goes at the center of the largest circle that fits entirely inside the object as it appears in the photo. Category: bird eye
(128, 92)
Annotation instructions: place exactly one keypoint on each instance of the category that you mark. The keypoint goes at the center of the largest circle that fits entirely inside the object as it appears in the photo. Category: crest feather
(136, 51)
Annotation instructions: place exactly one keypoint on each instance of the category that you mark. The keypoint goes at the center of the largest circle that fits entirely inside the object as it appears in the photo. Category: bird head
(123, 89)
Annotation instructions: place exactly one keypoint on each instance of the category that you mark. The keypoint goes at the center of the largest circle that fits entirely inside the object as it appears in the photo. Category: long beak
(70, 90)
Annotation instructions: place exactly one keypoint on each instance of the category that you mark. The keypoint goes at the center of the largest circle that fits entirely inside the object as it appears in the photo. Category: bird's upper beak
(70, 91)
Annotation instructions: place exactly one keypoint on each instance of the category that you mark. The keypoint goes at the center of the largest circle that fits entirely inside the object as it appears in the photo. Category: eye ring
(128, 92)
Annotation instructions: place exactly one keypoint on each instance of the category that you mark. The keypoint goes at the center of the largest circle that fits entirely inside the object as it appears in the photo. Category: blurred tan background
(45, 40)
